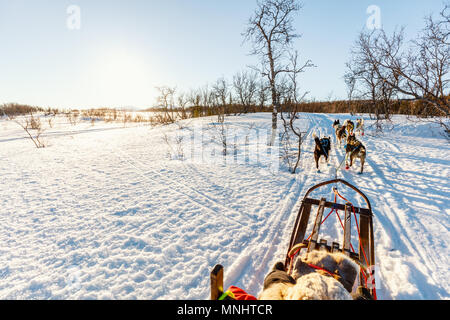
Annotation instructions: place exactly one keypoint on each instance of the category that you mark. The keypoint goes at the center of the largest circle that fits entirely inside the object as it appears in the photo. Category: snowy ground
(113, 212)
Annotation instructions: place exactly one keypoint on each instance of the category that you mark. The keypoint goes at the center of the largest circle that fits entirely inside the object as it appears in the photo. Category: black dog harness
(356, 148)
(325, 144)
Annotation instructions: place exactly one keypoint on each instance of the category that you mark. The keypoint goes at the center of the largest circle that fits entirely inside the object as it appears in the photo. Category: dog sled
(355, 220)
(363, 254)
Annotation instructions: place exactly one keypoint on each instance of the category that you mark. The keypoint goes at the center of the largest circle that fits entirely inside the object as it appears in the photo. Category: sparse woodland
(386, 75)
(385, 71)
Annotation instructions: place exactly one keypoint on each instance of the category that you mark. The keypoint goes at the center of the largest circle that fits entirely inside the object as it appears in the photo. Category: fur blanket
(312, 283)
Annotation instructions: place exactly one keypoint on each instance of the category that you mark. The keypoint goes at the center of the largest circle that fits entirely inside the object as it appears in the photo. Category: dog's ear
(300, 269)
(279, 266)
(348, 270)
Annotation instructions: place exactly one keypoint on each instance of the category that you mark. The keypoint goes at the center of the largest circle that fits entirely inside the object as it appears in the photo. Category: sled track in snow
(110, 202)
(277, 233)
(272, 231)
(273, 227)
(141, 169)
(394, 236)
(259, 262)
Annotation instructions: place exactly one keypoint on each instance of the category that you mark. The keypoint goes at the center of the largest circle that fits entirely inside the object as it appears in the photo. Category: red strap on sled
(322, 269)
(363, 272)
(237, 294)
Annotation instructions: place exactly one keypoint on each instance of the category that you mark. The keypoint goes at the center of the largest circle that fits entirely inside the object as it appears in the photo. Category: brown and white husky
(350, 126)
(355, 149)
(360, 126)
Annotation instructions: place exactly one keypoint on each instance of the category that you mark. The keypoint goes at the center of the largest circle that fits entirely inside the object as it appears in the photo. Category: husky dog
(323, 147)
(360, 126)
(318, 275)
(354, 149)
(341, 134)
(350, 126)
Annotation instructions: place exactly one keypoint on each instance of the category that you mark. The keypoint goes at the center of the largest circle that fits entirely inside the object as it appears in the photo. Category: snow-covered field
(114, 212)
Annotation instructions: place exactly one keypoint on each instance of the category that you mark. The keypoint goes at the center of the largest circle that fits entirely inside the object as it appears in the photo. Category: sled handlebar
(345, 183)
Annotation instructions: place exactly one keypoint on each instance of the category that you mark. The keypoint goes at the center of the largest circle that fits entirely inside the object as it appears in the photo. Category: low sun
(122, 77)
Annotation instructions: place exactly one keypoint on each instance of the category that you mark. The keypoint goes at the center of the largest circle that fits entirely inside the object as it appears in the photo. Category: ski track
(143, 170)
(137, 225)
(259, 262)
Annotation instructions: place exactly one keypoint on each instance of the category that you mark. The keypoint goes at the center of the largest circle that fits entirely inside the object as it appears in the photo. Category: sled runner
(354, 219)
(363, 255)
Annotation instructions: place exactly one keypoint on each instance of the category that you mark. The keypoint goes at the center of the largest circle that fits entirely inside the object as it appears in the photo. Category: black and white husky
(322, 148)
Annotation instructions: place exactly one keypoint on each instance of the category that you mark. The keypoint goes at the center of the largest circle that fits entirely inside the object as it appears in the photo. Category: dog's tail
(317, 140)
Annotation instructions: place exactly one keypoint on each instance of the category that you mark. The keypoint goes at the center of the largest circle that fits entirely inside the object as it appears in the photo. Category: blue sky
(124, 49)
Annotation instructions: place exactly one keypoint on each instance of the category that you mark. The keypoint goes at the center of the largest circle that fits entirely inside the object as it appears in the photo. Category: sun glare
(122, 77)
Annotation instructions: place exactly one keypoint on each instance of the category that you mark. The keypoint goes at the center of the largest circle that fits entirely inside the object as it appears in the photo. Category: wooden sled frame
(365, 221)
(298, 241)
(216, 278)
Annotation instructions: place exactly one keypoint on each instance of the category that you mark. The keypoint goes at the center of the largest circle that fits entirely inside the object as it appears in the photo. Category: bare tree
(73, 117)
(221, 91)
(364, 82)
(245, 86)
(219, 134)
(194, 97)
(271, 33)
(166, 101)
(262, 94)
(194, 100)
(292, 98)
(32, 126)
(206, 100)
(182, 100)
(422, 70)
(177, 152)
